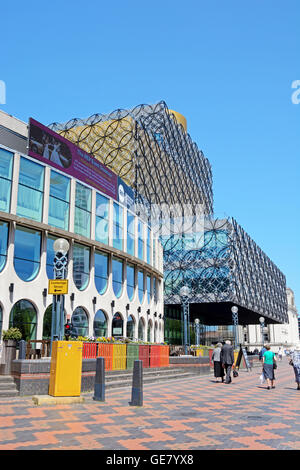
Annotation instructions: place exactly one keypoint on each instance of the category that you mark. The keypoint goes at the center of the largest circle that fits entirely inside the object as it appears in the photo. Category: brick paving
(188, 414)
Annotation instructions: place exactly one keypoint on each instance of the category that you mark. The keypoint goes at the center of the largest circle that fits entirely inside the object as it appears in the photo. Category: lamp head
(61, 246)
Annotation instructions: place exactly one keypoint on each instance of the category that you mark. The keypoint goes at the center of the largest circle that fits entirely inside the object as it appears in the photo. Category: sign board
(243, 353)
(58, 286)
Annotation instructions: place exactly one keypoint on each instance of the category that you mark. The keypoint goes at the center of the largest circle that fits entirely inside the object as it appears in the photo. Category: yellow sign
(58, 286)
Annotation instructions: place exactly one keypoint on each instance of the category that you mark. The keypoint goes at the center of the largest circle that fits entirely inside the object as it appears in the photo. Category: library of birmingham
(132, 194)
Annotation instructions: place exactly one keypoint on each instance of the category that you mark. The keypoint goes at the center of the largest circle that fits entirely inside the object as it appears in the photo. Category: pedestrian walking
(280, 353)
(295, 362)
(227, 359)
(218, 367)
(269, 364)
(261, 353)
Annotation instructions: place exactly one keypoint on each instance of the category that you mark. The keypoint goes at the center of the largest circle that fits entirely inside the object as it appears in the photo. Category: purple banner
(51, 148)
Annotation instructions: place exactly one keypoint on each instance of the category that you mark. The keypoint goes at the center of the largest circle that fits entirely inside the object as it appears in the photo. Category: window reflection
(130, 281)
(82, 224)
(3, 243)
(59, 201)
(100, 324)
(141, 285)
(102, 218)
(101, 271)
(117, 226)
(30, 190)
(117, 276)
(6, 164)
(80, 322)
(130, 233)
(23, 316)
(81, 266)
(27, 253)
(130, 327)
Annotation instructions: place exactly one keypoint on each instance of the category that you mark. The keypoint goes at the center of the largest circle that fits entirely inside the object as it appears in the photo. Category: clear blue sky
(227, 66)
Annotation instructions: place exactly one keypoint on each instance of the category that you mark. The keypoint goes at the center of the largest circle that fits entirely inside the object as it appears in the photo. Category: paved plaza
(189, 414)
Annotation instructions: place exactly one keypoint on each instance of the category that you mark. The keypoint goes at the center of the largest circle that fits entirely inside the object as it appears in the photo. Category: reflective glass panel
(59, 201)
(117, 226)
(80, 322)
(30, 190)
(100, 324)
(148, 289)
(27, 253)
(23, 316)
(148, 246)
(130, 233)
(3, 243)
(82, 223)
(130, 327)
(101, 271)
(140, 240)
(102, 218)
(130, 281)
(141, 285)
(81, 266)
(6, 164)
(117, 276)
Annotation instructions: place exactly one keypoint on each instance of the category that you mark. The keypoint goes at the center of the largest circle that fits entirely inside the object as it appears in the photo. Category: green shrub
(12, 333)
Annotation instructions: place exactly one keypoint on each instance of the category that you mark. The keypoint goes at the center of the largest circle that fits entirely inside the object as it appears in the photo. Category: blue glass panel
(117, 226)
(60, 186)
(140, 240)
(3, 243)
(102, 204)
(31, 174)
(101, 271)
(141, 285)
(5, 192)
(82, 223)
(130, 281)
(83, 197)
(6, 162)
(80, 322)
(50, 257)
(117, 276)
(148, 288)
(130, 233)
(58, 213)
(100, 324)
(27, 253)
(81, 266)
(148, 245)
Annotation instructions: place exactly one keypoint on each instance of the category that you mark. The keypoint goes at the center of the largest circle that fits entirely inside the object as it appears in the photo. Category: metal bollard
(137, 384)
(99, 392)
(22, 349)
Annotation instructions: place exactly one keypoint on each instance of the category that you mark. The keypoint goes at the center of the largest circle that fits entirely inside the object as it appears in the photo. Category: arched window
(80, 322)
(100, 324)
(130, 281)
(149, 331)
(155, 332)
(47, 320)
(117, 325)
(141, 329)
(141, 285)
(23, 316)
(148, 289)
(130, 327)
(101, 271)
(81, 266)
(117, 276)
(3, 243)
(27, 253)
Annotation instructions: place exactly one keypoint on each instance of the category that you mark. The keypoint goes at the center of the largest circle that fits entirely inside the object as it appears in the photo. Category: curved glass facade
(100, 324)
(23, 316)
(102, 218)
(82, 222)
(117, 325)
(6, 165)
(31, 190)
(81, 266)
(117, 276)
(141, 287)
(130, 327)
(59, 200)
(3, 243)
(80, 322)
(130, 281)
(27, 253)
(101, 271)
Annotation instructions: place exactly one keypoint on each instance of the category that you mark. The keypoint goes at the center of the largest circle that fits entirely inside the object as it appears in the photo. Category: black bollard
(137, 384)
(99, 393)
(22, 349)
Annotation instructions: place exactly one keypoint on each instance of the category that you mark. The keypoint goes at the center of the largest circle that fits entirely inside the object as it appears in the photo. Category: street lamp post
(197, 325)
(61, 248)
(235, 320)
(184, 294)
(262, 325)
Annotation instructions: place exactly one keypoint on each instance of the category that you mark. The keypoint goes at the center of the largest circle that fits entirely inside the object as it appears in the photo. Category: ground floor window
(80, 322)
(23, 315)
(117, 325)
(100, 324)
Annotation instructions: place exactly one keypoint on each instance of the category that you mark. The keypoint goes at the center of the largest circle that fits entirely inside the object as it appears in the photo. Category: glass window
(149, 330)
(117, 276)
(81, 266)
(154, 253)
(130, 281)
(50, 257)
(140, 240)
(6, 165)
(141, 330)
(100, 324)
(155, 289)
(102, 218)
(101, 271)
(27, 253)
(117, 325)
(23, 316)
(3, 243)
(118, 226)
(149, 289)
(59, 201)
(30, 190)
(130, 233)
(82, 224)
(141, 285)
(148, 246)
(130, 327)
(80, 322)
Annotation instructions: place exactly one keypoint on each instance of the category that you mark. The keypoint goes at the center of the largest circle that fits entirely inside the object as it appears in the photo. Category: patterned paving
(189, 414)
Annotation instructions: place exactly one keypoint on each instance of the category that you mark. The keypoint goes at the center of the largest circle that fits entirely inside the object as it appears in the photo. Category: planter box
(89, 350)
(8, 355)
(132, 354)
(106, 350)
(119, 357)
(144, 354)
(164, 356)
(154, 355)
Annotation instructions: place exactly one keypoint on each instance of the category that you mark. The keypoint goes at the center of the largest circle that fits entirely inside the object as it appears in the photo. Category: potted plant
(13, 334)
(10, 338)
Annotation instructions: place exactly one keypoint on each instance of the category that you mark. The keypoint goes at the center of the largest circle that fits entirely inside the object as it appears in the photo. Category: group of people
(223, 360)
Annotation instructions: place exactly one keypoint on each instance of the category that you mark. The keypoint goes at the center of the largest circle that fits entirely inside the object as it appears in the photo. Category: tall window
(118, 226)
(80, 322)
(117, 276)
(101, 271)
(50, 257)
(82, 224)
(3, 243)
(30, 190)
(6, 165)
(140, 240)
(81, 266)
(23, 316)
(27, 253)
(149, 289)
(141, 328)
(130, 281)
(102, 205)
(130, 327)
(148, 246)
(100, 324)
(59, 201)
(155, 289)
(154, 252)
(130, 233)
(141, 285)
(117, 325)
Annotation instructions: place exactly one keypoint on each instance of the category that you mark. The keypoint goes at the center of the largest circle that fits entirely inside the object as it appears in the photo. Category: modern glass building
(114, 258)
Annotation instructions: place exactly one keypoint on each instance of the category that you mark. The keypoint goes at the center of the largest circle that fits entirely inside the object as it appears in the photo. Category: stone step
(146, 374)
(9, 393)
(5, 379)
(120, 382)
(8, 387)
